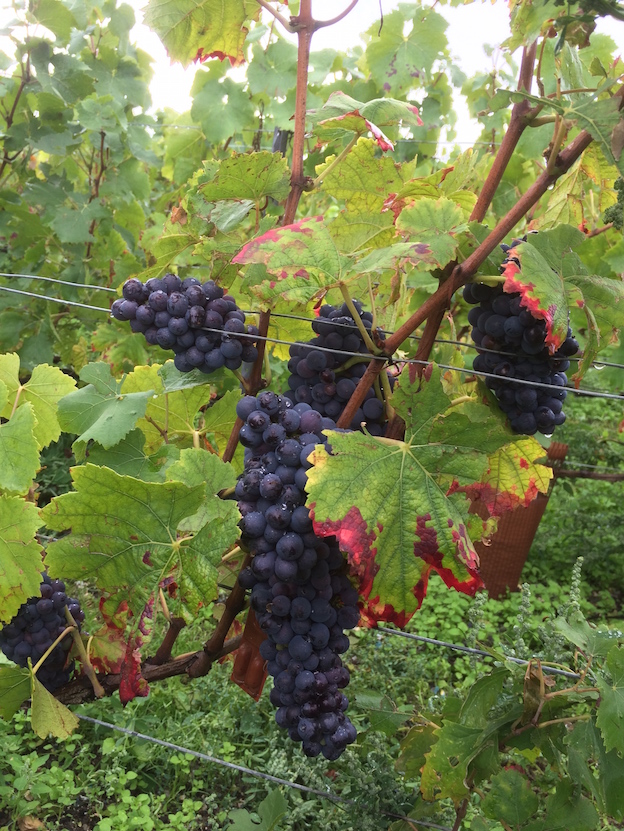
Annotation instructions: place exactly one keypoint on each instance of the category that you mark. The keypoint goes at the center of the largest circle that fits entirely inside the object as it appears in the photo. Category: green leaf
(272, 808)
(610, 718)
(253, 176)
(592, 767)
(435, 224)
(14, 689)
(302, 256)
(566, 810)
(74, 225)
(510, 799)
(414, 748)
(207, 28)
(48, 716)
(396, 60)
(124, 534)
(542, 291)
(129, 458)
(446, 767)
(46, 386)
(100, 411)
(198, 467)
(55, 16)
(593, 641)
(341, 113)
(19, 451)
(20, 554)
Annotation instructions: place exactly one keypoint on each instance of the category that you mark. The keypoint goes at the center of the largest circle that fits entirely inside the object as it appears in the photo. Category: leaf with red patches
(194, 30)
(303, 257)
(552, 278)
(395, 506)
(341, 114)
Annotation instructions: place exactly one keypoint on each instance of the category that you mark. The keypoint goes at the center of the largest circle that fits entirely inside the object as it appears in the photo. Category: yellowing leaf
(19, 452)
(20, 554)
(48, 716)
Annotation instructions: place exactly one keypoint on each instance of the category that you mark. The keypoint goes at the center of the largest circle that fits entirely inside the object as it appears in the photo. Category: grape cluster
(300, 593)
(202, 325)
(317, 377)
(36, 626)
(500, 324)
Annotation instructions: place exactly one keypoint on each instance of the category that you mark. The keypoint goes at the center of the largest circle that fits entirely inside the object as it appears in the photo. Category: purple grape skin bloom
(198, 321)
(300, 593)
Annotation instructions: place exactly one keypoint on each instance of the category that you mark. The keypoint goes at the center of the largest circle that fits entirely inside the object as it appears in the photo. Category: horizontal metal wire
(55, 299)
(462, 344)
(473, 651)
(362, 355)
(56, 280)
(205, 757)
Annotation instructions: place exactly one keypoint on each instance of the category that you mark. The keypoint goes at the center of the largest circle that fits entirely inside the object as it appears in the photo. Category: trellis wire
(362, 355)
(56, 280)
(205, 757)
(302, 318)
(474, 651)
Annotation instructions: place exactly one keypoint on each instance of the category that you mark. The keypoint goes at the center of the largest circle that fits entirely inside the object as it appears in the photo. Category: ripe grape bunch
(198, 321)
(300, 593)
(500, 324)
(36, 626)
(317, 376)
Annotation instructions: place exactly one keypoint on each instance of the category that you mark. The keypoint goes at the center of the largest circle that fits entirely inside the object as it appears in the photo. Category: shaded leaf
(19, 451)
(100, 411)
(14, 689)
(48, 716)
(20, 554)
(610, 718)
(510, 799)
(446, 767)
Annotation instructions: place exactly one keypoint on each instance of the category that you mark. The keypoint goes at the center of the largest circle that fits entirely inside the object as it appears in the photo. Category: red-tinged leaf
(133, 683)
(342, 113)
(513, 479)
(302, 258)
(107, 646)
(194, 30)
(542, 291)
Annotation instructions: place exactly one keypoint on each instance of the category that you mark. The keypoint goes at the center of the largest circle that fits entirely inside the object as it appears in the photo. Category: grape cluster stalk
(500, 324)
(300, 592)
(326, 380)
(35, 627)
(201, 324)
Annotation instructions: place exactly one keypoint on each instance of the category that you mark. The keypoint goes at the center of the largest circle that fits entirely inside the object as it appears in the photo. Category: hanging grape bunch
(300, 593)
(324, 373)
(198, 321)
(501, 325)
(36, 626)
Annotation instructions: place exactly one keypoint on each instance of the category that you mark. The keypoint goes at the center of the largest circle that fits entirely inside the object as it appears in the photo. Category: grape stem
(48, 651)
(87, 666)
(374, 350)
(337, 160)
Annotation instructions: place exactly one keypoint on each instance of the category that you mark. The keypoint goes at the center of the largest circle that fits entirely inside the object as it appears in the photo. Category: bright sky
(470, 28)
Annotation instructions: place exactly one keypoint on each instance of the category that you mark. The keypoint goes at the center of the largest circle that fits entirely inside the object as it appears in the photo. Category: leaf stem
(339, 158)
(231, 555)
(87, 666)
(387, 390)
(319, 24)
(15, 403)
(276, 15)
(162, 432)
(374, 350)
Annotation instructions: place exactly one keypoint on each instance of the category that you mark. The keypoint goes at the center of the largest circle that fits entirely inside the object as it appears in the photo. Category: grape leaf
(302, 257)
(566, 810)
(48, 716)
(610, 718)
(552, 277)
(172, 414)
(341, 113)
(198, 467)
(586, 757)
(362, 174)
(46, 386)
(20, 554)
(200, 29)
(100, 411)
(124, 535)
(129, 458)
(510, 799)
(19, 452)
(14, 689)
(253, 176)
(174, 380)
(436, 224)
(446, 766)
